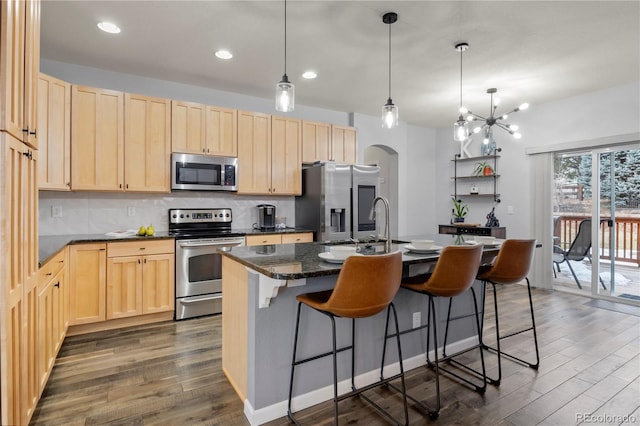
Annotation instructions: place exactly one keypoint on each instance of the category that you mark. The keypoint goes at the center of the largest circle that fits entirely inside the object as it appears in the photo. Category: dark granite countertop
(49, 245)
(295, 261)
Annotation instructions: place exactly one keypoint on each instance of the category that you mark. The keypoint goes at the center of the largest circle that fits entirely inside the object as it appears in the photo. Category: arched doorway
(387, 159)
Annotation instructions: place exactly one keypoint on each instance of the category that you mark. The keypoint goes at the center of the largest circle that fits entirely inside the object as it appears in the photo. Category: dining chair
(366, 286)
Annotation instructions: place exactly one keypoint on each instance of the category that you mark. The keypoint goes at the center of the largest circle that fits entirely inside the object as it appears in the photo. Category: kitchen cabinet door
(54, 136)
(158, 286)
(97, 137)
(124, 286)
(261, 240)
(188, 127)
(147, 143)
(343, 144)
(19, 269)
(87, 283)
(51, 324)
(19, 67)
(316, 138)
(286, 156)
(221, 131)
(254, 153)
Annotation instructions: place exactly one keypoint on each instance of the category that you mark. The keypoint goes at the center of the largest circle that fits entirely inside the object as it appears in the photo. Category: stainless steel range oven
(199, 234)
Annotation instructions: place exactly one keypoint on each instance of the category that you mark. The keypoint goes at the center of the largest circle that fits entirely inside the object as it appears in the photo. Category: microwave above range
(195, 172)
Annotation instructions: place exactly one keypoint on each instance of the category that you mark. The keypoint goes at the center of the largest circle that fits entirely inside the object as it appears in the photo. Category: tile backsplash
(98, 213)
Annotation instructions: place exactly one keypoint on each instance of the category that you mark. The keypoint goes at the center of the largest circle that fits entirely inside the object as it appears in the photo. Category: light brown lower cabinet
(261, 240)
(120, 280)
(53, 314)
(140, 278)
(87, 283)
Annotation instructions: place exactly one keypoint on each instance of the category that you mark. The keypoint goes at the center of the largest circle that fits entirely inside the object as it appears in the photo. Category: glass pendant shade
(460, 130)
(389, 115)
(285, 95)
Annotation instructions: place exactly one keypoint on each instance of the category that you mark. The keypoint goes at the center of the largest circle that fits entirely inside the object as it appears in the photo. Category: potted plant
(483, 169)
(459, 210)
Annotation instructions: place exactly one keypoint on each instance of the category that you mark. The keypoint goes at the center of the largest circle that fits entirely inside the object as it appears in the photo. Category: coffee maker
(266, 216)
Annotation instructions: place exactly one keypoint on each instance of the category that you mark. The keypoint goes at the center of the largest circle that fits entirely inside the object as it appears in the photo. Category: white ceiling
(534, 51)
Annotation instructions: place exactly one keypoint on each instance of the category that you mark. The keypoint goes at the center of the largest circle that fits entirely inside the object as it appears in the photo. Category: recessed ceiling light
(224, 54)
(108, 27)
(309, 75)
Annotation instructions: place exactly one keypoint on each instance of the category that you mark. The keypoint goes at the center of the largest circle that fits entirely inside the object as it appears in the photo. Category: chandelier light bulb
(523, 106)
(477, 129)
(463, 110)
(517, 135)
(460, 130)
(513, 127)
(505, 116)
(496, 101)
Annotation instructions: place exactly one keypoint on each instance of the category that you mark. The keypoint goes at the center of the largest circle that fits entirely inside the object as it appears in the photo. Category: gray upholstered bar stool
(365, 287)
(453, 274)
(510, 266)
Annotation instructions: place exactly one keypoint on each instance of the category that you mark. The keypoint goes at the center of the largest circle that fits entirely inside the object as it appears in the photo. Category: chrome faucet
(372, 216)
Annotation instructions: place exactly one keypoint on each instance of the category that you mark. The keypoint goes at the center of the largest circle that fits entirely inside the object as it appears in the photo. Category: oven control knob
(187, 215)
(215, 215)
(181, 216)
(227, 214)
(175, 216)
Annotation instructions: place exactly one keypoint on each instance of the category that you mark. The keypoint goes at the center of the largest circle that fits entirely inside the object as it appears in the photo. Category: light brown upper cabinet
(286, 156)
(316, 141)
(54, 122)
(202, 129)
(343, 144)
(97, 139)
(254, 153)
(269, 154)
(20, 64)
(147, 143)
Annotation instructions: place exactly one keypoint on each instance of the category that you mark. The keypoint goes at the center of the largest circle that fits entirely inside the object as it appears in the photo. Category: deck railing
(627, 231)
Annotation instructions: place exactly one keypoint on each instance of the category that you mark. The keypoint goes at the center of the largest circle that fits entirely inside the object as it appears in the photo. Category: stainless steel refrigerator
(336, 201)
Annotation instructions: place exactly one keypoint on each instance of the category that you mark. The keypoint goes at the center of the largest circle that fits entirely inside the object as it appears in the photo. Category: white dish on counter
(496, 243)
(433, 249)
(330, 258)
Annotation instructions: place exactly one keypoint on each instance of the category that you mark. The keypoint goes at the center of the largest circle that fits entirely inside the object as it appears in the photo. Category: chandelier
(495, 120)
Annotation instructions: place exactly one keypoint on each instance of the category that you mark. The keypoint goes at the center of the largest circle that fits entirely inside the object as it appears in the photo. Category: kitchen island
(260, 285)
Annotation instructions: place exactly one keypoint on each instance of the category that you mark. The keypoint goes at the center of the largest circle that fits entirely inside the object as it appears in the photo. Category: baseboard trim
(300, 402)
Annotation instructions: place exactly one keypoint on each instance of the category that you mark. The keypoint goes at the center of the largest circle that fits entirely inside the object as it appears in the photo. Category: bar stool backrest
(512, 263)
(366, 285)
(455, 270)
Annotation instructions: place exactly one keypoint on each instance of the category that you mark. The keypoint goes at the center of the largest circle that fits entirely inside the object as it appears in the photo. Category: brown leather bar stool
(365, 287)
(453, 274)
(510, 266)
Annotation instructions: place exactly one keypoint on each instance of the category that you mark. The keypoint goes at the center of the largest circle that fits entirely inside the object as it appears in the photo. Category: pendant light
(389, 110)
(285, 90)
(461, 127)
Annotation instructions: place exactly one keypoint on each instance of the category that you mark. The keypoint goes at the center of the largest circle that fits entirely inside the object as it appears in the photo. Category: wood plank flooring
(169, 374)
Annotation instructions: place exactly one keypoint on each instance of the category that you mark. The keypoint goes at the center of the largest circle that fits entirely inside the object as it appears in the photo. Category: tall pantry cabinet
(19, 66)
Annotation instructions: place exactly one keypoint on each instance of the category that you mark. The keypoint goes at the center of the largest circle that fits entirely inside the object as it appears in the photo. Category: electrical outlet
(416, 319)
(56, 211)
(131, 211)
(509, 209)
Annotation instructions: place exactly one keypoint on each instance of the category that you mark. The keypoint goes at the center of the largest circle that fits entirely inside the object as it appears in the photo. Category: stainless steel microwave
(203, 172)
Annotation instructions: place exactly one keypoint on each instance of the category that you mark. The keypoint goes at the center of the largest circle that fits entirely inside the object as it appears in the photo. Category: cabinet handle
(28, 154)
(69, 184)
(60, 261)
(49, 273)
(142, 248)
(33, 133)
(139, 261)
(127, 186)
(57, 284)
(120, 185)
(103, 249)
(145, 260)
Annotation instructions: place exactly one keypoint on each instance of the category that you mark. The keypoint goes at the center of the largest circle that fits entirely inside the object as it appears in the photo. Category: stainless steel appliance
(336, 201)
(199, 234)
(203, 172)
(266, 216)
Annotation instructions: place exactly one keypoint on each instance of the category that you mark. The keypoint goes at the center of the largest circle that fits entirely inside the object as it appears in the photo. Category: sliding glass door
(596, 210)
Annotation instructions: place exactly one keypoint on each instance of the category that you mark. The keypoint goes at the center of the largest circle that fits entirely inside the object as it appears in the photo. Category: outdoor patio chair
(578, 250)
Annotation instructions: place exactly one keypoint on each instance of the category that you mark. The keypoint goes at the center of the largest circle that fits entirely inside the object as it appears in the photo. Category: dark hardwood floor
(169, 374)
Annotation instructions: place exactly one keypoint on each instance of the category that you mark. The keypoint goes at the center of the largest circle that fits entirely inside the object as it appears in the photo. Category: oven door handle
(197, 299)
(211, 244)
